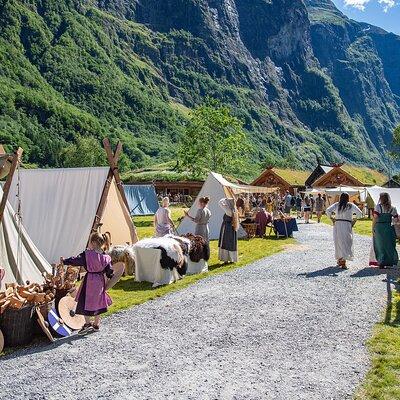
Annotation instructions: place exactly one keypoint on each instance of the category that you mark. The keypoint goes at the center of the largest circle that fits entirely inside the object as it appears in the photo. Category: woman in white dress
(342, 214)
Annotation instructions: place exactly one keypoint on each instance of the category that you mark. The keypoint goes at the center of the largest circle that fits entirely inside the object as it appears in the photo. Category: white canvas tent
(394, 194)
(19, 257)
(61, 207)
(216, 187)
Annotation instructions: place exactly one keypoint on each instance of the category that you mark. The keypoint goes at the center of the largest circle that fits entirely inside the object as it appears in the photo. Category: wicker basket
(18, 325)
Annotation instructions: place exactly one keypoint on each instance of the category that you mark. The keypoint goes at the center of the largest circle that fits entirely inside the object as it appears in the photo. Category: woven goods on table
(18, 326)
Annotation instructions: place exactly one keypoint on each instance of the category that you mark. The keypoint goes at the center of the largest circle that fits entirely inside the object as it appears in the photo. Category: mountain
(307, 81)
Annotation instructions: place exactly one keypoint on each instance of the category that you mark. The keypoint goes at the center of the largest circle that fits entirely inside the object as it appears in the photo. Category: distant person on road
(299, 205)
(341, 214)
(287, 201)
(307, 208)
(319, 206)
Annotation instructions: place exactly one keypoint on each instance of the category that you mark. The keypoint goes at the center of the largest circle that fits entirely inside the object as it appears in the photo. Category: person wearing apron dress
(384, 234)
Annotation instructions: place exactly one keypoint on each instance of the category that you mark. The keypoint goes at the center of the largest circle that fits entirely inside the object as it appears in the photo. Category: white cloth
(227, 256)
(196, 267)
(148, 268)
(58, 207)
(31, 263)
(379, 209)
(343, 230)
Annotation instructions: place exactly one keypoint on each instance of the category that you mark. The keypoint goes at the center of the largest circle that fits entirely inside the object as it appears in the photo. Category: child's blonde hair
(101, 240)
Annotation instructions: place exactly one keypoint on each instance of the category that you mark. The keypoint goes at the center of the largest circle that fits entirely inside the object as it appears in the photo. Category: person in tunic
(262, 219)
(319, 206)
(299, 205)
(307, 208)
(201, 219)
(384, 234)
(162, 220)
(287, 202)
(92, 299)
(227, 243)
(342, 214)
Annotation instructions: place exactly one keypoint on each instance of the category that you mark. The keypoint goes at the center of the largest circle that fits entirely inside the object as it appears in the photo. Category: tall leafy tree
(214, 139)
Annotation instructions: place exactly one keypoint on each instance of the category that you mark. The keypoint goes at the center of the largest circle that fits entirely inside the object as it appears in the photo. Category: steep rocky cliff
(306, 80)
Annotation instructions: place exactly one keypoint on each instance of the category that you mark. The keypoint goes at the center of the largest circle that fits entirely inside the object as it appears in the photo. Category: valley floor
(290, 326)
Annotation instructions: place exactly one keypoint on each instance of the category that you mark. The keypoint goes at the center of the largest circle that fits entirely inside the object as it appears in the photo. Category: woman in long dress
(227, 244)
(201, 219)
(384, 234)
(342, 214)
(162, 220)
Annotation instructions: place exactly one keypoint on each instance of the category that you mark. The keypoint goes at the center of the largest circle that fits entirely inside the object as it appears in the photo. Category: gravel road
(286, 327)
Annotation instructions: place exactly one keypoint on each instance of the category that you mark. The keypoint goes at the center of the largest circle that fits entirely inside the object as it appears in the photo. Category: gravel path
(286, 327)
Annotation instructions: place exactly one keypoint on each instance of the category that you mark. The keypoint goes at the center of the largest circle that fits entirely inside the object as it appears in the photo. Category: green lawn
(128, 293)
(383, 379)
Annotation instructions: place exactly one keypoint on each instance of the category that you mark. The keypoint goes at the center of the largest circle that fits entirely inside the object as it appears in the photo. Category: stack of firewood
(17, 296)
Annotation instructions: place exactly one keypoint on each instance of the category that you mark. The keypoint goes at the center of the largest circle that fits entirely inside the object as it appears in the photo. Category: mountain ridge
(122, 68)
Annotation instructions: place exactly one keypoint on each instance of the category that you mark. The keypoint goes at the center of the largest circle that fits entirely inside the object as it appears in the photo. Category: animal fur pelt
(123, 254)
(199, 248)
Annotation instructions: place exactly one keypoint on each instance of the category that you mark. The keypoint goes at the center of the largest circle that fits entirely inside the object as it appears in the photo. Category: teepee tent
(216, 187)
(19, 257)
(142, 199)
(394, 194)
(60, 208)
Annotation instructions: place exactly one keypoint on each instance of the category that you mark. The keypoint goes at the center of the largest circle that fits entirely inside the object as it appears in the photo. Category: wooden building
(392, 183)
(187, 188)
(284, 179)
(335, 177)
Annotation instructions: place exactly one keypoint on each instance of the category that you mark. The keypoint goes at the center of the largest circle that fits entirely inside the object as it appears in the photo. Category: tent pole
(6, 189)
(103, 199)
(113, 161)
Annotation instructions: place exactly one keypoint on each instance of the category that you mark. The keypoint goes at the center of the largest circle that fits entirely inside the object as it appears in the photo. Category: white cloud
(360, 4)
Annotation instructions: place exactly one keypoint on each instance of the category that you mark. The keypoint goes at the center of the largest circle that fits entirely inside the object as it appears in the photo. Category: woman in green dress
(384, 234)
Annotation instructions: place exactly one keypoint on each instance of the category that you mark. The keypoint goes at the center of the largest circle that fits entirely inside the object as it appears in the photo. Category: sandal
(86, 329)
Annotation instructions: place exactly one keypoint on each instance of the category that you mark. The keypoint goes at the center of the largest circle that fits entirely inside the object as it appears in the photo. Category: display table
(196, 267)
(285, 228)
(148, 268)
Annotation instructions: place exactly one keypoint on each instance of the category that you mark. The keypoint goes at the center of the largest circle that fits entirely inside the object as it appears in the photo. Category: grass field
(128, 293)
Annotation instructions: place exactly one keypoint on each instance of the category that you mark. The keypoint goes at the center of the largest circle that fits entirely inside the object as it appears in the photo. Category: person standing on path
(307, 208)
(341, 214)
(319, 206)
(201, 219)
(227, 243)
(287, 202)
(384, 234)
(162, 220)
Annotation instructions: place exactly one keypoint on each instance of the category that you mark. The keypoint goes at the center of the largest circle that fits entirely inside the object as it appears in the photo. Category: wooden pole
(6, 189)
(113, 161)
(103, 199)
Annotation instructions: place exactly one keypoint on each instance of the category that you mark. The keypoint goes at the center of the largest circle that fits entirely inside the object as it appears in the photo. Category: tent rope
(18, 216)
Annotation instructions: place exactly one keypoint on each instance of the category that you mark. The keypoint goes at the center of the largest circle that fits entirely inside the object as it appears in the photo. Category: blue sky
(383, 13)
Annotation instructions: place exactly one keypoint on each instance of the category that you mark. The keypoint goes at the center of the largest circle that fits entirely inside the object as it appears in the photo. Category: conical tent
(142, 199)
(19, 257)
(60, 208)
(216, 187)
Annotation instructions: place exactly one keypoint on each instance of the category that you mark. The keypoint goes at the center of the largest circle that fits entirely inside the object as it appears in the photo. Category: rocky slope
(306, 80)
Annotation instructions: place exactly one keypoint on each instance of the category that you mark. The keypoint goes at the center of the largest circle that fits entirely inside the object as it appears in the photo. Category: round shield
(1, 341)
(66, 309)
(57, 324)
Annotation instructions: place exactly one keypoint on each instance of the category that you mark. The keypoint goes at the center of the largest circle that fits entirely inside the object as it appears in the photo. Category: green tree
(85, 152)
(214, 139)
(396, 143)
